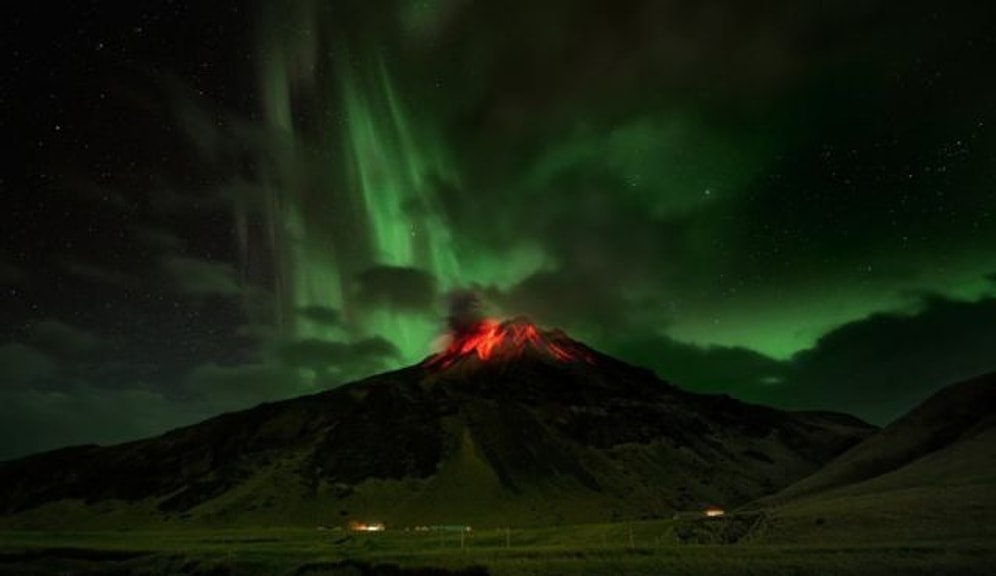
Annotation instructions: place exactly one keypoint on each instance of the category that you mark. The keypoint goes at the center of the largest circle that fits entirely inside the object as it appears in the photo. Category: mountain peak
(489, 341)
(509, 424)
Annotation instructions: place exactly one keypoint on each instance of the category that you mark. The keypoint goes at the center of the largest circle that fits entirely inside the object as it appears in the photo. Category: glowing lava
(491, 339)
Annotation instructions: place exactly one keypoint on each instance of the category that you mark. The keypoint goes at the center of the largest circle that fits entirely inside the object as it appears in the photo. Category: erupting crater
(490, 340)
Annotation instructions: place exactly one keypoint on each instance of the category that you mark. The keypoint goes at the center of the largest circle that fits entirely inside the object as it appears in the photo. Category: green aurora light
(356, 187)
(596, 217)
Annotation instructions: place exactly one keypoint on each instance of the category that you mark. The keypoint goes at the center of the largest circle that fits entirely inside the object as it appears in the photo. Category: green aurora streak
(363, 164)
(365, 196)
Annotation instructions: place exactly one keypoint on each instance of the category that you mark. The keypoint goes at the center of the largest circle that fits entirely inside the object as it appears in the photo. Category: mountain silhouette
(510, 424)
(929, 475)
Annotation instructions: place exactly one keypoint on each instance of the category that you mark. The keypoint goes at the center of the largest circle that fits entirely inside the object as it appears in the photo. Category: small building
(366, 526)
(714, 512)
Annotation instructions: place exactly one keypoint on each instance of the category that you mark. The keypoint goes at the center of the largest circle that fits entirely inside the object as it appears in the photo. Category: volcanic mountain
(509, 425)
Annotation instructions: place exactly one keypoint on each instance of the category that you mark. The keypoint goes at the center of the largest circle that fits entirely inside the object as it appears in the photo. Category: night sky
(207, 205)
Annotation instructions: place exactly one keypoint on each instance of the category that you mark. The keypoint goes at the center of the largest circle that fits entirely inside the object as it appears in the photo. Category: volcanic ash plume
(464, 315)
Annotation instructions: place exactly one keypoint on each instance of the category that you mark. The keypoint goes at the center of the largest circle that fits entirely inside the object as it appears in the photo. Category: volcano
(492, 341)
(508, 425)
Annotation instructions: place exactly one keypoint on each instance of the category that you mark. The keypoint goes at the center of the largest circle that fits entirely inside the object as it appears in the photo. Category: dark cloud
(316, 354)
(203, 277)
(532, 58)
(876, 368)
(569, 299)
(716, 369)
(375, 347)
(23, 366)
(879, 367)
(325, 363)
(62, 357)
(64, 341)
(618, 181)
(241, 386)
(33, 419)
(63, 386)
(464, 311)
(322, 315)
(398, 288)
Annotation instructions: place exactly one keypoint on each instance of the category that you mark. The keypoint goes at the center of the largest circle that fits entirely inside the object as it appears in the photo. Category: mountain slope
(509, 425)
(930, 473)
(951, 417)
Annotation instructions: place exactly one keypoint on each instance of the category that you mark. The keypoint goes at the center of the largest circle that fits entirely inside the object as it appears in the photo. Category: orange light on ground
(366, 527)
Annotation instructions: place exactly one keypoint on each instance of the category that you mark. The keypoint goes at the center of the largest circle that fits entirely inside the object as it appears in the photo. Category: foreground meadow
(654, 547)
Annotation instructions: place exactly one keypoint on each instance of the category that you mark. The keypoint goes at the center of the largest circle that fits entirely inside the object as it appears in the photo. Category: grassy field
(656, 547)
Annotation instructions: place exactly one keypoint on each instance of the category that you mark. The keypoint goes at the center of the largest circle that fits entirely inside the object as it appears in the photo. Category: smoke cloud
(465, 312)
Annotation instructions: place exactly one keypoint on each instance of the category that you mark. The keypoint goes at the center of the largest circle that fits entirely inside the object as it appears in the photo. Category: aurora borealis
(211, 207)
(353, 217)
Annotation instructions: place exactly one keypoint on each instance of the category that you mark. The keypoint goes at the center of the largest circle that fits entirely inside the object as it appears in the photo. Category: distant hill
(931, 472)
(509, 425)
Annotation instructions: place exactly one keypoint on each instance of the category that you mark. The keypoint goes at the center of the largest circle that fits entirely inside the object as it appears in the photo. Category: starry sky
(208, 205)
